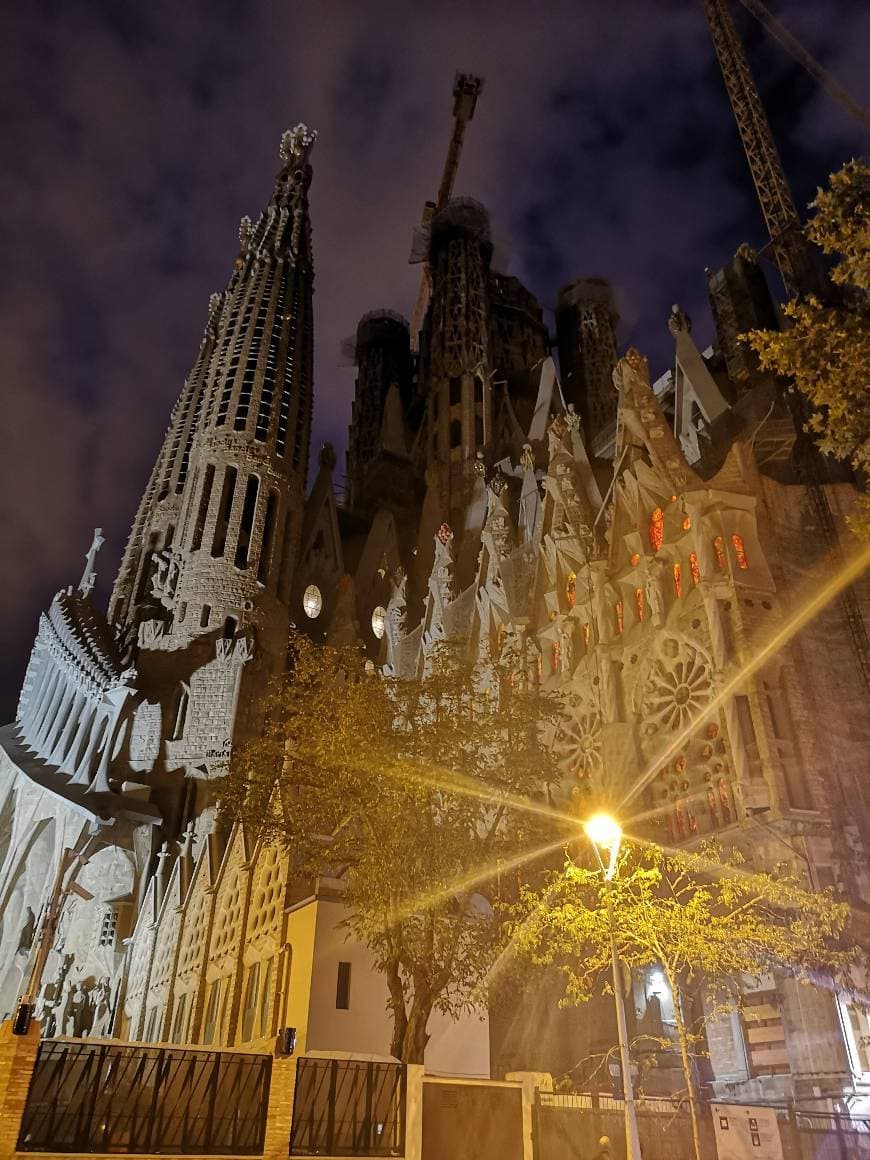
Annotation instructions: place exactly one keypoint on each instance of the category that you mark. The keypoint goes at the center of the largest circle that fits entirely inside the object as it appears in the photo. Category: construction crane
(807, 62)
(792, 254)
(466, 89)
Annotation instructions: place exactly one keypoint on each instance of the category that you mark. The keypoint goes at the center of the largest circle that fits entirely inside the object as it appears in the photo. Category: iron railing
(346, 1107)
(123, 1098)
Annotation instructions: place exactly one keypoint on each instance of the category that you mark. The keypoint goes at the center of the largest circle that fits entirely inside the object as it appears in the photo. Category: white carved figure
(89, 576)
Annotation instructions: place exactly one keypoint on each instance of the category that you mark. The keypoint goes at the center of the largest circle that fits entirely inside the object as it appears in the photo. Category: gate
(120, 1098)
(348, 1107)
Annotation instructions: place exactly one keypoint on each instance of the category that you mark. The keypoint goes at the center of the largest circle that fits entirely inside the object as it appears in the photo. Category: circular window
(312, 601)
(379, 621)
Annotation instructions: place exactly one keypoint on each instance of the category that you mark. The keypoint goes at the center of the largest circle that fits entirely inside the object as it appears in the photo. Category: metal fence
(344, 1107)
(568, 1127)
(119, 1098)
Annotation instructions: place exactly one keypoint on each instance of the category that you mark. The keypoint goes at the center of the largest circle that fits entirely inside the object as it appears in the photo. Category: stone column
(280, 1115)
(101, 779)
(46, 696)
(72, 721)
(83, 769)
(86, 717)
(36, 700)
(54, 703)
(60, 717)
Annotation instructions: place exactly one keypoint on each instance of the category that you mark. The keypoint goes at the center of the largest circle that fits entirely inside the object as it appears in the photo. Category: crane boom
(808, 62)
(466, 89)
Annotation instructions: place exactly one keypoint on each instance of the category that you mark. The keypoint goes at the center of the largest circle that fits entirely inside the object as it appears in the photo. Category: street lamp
(605, 833)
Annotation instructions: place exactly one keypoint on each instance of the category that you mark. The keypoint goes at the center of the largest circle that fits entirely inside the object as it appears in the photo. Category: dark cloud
(135, 137)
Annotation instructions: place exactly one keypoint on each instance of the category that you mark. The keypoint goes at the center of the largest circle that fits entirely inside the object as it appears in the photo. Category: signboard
(746, 1133)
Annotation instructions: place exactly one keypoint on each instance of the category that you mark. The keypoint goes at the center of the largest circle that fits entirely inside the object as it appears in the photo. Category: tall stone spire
(214, 538)
(586, 318)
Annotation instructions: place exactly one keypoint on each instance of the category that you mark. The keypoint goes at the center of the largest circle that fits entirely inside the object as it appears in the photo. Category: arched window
(265, 560)
(656, 529)
(228, 492)
(211, 1011)
(739, 552)
(246, 525)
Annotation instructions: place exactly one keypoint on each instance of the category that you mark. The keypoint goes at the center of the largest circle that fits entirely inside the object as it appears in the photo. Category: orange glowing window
(556, 653)
(635, 559)
(657, 529)
(687, 523)
(638, 603)
(719, 549)
(695, 567)
(678, 581)
(620, 619)
(571, 589)
(739, 552)
(587, 632)
(539, 667)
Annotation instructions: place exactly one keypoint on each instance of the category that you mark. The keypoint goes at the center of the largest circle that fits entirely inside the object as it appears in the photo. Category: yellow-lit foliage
(826, 348)
(416, 794)
(702, 919)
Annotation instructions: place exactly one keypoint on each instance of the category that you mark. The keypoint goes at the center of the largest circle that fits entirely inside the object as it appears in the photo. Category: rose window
(679, 692)
(578, 744)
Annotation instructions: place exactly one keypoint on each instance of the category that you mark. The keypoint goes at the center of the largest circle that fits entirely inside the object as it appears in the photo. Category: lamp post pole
(632, 1138)
(604, 831)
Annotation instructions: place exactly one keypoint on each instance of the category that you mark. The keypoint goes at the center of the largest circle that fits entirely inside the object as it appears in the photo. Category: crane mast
(466, 89)
(790, 250)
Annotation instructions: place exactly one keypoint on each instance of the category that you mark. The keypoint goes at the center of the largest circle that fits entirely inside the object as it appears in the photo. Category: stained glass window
(586, 633)
(635, 559)
(678, 581)
(687, 523)
(695, 568)
(740, 552)
(657, 529)
(638, 603)
(571, 589)
(312, 601)
(719, 549)
(620, 620)
(556, 651)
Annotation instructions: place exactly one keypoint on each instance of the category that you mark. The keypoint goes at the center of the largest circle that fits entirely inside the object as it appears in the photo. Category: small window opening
(265, 560)
(478, 390)
(230, 626)
(202, 513)
(342, 988)
(205, 616)
(170, 536)
(455, 433)
(252, 992)
(455, 391)
(108, 928)
(226, 506)
(211, 1011)
(249, 508)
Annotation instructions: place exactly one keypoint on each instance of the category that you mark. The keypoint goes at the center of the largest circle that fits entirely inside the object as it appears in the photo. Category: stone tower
(457, 336)
(384, 361)
(586, 318)
(213, 543)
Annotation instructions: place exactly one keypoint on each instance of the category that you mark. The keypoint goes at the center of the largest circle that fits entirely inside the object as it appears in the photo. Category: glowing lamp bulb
(603, 830)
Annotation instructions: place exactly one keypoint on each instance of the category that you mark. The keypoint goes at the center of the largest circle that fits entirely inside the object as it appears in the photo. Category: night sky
(136, 134)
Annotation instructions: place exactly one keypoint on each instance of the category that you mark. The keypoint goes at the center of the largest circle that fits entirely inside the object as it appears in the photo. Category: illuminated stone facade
(628, 568)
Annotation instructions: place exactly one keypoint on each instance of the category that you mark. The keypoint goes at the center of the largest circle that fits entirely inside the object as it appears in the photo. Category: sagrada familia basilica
(632, 540)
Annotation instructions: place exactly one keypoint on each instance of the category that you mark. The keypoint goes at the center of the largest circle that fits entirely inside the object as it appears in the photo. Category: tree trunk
(397, 1006)
(683, 1037)
(416, 1035)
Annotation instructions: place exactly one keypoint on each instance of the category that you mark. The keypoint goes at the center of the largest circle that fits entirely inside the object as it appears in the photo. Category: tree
(704, 921)
(416, 793)
(826, 348)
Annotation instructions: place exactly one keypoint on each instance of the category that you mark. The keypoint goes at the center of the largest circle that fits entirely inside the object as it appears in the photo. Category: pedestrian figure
(604, 1152)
